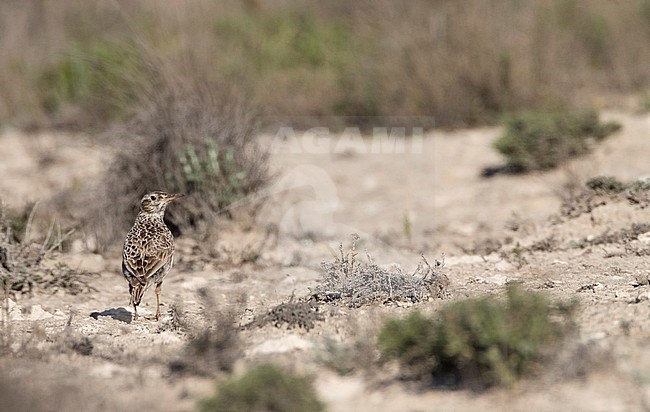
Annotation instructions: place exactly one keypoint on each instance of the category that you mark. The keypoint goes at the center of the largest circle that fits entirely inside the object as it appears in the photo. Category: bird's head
(156, 202)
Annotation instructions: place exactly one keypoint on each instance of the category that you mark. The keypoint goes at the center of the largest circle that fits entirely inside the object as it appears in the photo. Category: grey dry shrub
(348, 280)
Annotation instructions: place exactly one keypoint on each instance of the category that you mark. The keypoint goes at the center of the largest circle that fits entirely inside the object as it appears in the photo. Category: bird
(148, 252)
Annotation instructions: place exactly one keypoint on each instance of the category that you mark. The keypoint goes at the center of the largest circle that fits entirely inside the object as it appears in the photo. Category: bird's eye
(153, 197)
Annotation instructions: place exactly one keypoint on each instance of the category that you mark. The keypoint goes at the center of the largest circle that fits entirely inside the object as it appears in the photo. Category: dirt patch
(303, 314)
(602, 190)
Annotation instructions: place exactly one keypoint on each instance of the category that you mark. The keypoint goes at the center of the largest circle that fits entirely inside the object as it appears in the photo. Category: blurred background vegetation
(186, 85)
(83, 64)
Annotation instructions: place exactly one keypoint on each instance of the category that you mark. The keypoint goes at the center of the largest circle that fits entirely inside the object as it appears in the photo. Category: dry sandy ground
(430, 199)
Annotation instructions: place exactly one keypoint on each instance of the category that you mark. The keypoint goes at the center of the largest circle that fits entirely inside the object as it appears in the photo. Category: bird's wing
(157, 261)
(131, 263)
(150, 259)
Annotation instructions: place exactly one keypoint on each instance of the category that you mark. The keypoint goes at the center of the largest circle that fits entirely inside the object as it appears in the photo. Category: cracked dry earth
(82, 352)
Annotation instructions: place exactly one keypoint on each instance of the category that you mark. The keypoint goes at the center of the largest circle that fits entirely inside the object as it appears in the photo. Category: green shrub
(477, 342)
(543, 140)
(209, 168)
(265, 388)
(608, 184)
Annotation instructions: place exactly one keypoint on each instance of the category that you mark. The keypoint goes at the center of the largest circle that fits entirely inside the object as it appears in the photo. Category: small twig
(58, 232)
(59, 242)
(369, 257)
(28, 227)
(47, 239)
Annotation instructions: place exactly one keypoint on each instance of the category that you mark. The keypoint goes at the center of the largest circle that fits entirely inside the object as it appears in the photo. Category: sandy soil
(430, 199)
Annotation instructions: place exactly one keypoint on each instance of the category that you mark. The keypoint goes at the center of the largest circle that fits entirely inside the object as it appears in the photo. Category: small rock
(641, 279)
(594, 336)
(644, 237)
(504, 266)
(37, 313)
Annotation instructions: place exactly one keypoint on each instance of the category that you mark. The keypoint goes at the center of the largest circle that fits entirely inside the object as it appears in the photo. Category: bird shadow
(120, 314)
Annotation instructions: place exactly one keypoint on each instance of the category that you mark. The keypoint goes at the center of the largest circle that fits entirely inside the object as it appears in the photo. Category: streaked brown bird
(148, 252)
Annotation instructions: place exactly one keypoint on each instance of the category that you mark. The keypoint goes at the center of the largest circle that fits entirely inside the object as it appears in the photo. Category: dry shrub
(354, 283)
(185, 138)
(23, 260)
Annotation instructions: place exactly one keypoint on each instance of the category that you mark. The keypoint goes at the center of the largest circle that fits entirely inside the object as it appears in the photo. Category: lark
(148, 252)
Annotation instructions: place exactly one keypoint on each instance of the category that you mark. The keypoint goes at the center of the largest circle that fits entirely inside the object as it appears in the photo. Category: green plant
(543, 140)
(640, 185)
(98, 76)
(406, 227)
(607, 184)
(283, 40)
(478, 342)
(518, 255)
(207, 170)
(265, 388)
(594, 33)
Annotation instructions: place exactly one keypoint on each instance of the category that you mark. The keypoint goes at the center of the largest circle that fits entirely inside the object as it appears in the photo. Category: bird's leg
(158, 290)
(133, 291)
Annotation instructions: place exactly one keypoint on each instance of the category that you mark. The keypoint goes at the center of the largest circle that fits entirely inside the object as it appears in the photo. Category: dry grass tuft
(23, 260)
(354, 283)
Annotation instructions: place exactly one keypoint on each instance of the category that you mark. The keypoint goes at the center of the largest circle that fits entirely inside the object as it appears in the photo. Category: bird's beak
(174, 196)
